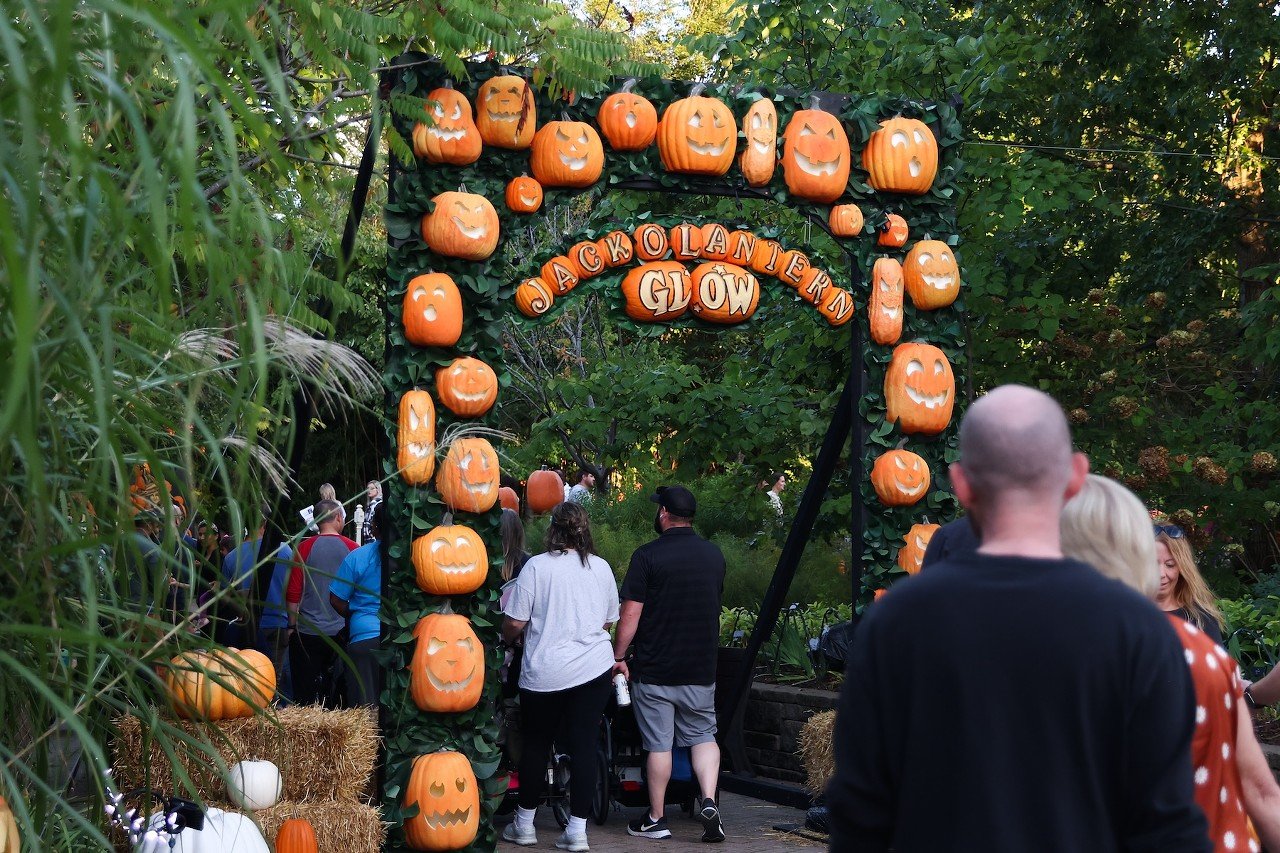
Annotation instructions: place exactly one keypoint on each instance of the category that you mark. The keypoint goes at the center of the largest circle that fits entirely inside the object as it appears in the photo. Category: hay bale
(322, 755)
(816, 751)
(348, 827)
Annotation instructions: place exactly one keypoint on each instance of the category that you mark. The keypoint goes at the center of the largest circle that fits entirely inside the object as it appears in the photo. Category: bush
(1252, 630)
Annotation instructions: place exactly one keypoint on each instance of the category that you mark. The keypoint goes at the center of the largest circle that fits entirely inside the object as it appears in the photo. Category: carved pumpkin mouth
(929, 401)
(495, 115)
(631, 119)
(473, 232)
(471, 398)
(939, 282)
(891, 313)
(439, 820)
(910, 491)
(418, 450)
(575, 164)
(450, 686)
(709, 149)
(815, 167)
(528, 201)
(760, 147)
(447, 135)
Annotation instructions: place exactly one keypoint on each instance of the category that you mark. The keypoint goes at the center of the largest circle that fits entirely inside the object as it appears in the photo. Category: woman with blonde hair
(1107, 526)
(1183, 590)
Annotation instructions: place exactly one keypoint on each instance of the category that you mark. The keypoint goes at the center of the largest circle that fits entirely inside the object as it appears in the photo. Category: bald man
(1011, 700)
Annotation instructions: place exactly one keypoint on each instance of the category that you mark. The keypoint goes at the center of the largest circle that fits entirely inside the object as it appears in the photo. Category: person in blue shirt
(238, 569)
(356, 593)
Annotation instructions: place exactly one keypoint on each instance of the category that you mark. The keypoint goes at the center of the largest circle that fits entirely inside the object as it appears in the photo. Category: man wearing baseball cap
(670, 618)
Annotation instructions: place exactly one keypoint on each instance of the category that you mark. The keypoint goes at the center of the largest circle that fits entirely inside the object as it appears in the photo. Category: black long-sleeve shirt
(1007, 704)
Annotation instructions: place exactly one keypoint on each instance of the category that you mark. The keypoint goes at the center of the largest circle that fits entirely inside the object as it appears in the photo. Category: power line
(1135, 151)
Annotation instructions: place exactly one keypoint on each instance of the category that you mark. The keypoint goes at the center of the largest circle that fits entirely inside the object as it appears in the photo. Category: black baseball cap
(677, 499)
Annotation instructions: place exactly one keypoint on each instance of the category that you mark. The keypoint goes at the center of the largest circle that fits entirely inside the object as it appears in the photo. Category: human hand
(621, 667)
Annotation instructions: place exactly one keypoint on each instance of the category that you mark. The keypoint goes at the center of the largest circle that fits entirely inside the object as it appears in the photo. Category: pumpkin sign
(686, 242)
(616, 248)
(932, 275)
(416, 441)
(742, 248)
(450, 560)
(792, 266)
(657, 292)
(651, 242)
(586, 259)
(894, 232)
(544, 491)
(836, 306)
(715, 242)
(432, 311)
(911, 554)
(461, 225)
(446, 674)
(507, 117)
(443, 787)
(468, 477)
(884, 313)
(901, 157)
(567, 154)
(628, 121)
(467, 387)
(697, 135)
(760, 156)
(723, 293)
(533, 297)
(296, 836)
(845, 220)
(919, 389)
(453, 137)
(815, 155)
(523, 194)
(900, 478)
(765, 257)
(560, 274)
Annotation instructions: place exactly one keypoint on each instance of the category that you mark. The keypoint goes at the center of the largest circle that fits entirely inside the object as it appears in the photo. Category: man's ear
(960, 485)
(1079, 473)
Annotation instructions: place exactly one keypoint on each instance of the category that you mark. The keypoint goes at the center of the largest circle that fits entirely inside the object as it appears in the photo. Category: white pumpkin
(224, 832)
(254, 785)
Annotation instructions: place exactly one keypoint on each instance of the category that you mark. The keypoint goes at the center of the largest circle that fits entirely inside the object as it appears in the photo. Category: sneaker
(572, 843)
(647, 827)
(516, 835)
(709, 816)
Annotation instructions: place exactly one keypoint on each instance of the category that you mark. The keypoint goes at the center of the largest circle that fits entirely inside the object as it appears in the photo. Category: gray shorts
(683, 714)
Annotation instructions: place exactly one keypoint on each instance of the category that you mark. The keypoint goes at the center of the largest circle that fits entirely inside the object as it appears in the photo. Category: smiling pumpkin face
(432, 311)
(698, 136)
(900, 478)
(416, 441)
(628, 121)
(506, 115)
(467, 387)
(914, 544)
(885, 309)
(443, 787)
(462, 225)
(468, 477)
(450, 560)
(894, 232)
(919, 389)
(815, 156)
(447, 670)
(567, 154)
(932, 275)
(760, 156)
(523, 194)
(453, 137)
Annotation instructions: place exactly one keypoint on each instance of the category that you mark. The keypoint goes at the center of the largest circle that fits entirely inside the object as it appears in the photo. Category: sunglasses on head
(1173, 531)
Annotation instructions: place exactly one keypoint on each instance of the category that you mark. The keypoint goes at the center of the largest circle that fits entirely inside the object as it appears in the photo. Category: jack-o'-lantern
(534, 297)
(813, 285)
(760, 156)
(467, 387)
(901, 157)
(468, 477)
(628, 121)
(836, 306)
(715, 242)
(450, 560)
(792, 266)
(453, 138)
(657, 292)
(766, 257)
(900, 478)
(723, 293)
(432, 311)
(560, 274)
(651, 242)
(742, 247)
(686, 242)
(508, 499)
(461, 225)
(845, 220)
(616, 248)
(586, 259)
(815, 155)
(884, 312)
(919, 389)
(416, 442)
(544, 491)
(893, 232)
(523, 195)
(932, 275)
(10, 838)
(505, 112)
(446, 674)
(567, 154)
(443, 787)
(697, 135)
(914, 544)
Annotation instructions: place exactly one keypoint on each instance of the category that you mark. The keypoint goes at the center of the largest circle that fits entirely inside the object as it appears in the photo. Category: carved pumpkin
(461, 225)
(657, 292)
(467, 387)
(450, 560)
(650, 242)
(10, 839)
(296, 836)
(560, 274)
(792, 266)
(836, 306)
(697, 136)
(901, 157)
(766, 256)
(508, 499)
(586, 259)
(845, 220)
(432, 311)
(900, 478)
(446, 674)
(416, 444)
(884, 313)
(468, 477)
(723, 293)
(911, 554)
(932, 275)
(919, 389)
(715, 242)
(686, 242)
(505, 112)
(893, 232)
(221, 685)
(627, 120)
(760, 156)
(813, 285)
(524, 194)
(453, 138)
(815, 155)
(533, 297)
(443, 787)
(616, 248)
(567, 154)
(742, 247)
(544, 490)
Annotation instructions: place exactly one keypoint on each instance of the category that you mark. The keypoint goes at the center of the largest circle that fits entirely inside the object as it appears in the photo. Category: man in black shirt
(671, 609)
(1012, 700)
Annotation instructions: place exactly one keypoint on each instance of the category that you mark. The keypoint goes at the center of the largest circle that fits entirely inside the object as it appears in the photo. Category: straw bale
(346, 827)
(816, 751)
(322, 755)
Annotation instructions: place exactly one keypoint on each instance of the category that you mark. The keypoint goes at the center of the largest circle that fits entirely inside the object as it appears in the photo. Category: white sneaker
(572, 843)
(523, 837)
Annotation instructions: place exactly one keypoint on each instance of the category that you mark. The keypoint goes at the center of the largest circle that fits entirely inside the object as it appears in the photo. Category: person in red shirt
(315, 628)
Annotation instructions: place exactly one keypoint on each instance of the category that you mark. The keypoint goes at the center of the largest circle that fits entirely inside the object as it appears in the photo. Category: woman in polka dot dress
(1107, 526)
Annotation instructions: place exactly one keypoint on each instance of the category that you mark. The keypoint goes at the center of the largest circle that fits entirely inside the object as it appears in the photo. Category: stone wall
(771, 727)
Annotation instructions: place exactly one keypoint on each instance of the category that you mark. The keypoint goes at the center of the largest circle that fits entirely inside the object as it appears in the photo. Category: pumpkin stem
(448, 84)
(447, 607)
(697, 89)
(815, 101)
(627, 86)
(564, 115)
(902, 443)
(463, 188)
(448, 518)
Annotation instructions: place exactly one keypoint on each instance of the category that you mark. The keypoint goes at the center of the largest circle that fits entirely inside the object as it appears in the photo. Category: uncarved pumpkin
(508, 499)
(815, 156)
(468, 479)
(467, 387)
(505, 112)
(461, 225)
(443, 787)
(919, 389)
(900, 478)
(453, 137)
(628, 121)
(914, 544)
(723, 293)
(416, 438)
(697, 135)
(760, 155)
(450, 560)
(901, 157)
(220, 685)
(523, 194)
(884, 312)
(657, 292)
(932, 275)
(296, 836)
(432, 311)
(446, 674)
(544, 491)
(567, 154)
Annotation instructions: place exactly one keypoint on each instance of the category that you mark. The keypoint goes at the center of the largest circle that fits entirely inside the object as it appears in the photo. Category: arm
(628, 619)
(339, 604)
(512, 629)
(1266, 690)
(1258, 785)
(293, 595)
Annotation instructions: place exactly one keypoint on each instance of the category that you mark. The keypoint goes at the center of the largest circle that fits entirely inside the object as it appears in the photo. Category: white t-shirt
(567, 606)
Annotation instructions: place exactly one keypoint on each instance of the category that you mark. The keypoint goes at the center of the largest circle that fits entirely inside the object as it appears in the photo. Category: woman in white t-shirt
(563, 603)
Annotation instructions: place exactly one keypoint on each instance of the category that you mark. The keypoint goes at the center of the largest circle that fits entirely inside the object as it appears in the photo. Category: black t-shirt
(953, 539)
(679, 578)
(1207, 623)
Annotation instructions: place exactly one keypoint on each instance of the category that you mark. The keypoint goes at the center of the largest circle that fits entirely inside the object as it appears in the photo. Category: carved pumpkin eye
(938, 368)
(561, 135)
(437, 790)
(919, 138)
(478, 209)
(884, 286)
(914, 367)
(438, 292)
(898, 461)
(695, 120)
(462, 206)
(582, 140)
(945, 258)
(437, 544)
(419, 292)
(806, 131)
(831, 134)
(435, 645)
(461, 542)
(899, 139)
(716, 120)
(461, 783)
(515, 90)
(457, 112)
(925, 258)
(465, 643)
(756, 123)
(438, 111)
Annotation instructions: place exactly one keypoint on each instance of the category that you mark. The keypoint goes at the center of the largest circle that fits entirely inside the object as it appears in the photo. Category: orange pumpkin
(884, 313)
(296, 836)
(560, 274)
(223, 685)
(697, 136)
(919, 389)
(760, 156)
(467, 387)
(524, 194)
(616, 248)
(723, 293)
(686, 242)
(533, 297)
(450, 560)
(443, 787)
(508, 499)
(815, 156)
(813, 285)
(628, 121)
(651, 242)
(461, 225)
(845, 220)
(453, 138)
(468, 477)
(742, 247)
(432, 311)
(900, 478)
(567, 154)
(901, 157)
(657, 292)
(416, 442)
(914, 544)
(792, 266)
(506, 114)
(893, 232)
(766, 257)
(446, 674)
(836, 306)
(544, 490)
(715, 242)
(586, 259)
(932, 275)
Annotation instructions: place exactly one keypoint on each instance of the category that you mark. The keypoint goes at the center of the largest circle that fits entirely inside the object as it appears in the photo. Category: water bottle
(621, 691)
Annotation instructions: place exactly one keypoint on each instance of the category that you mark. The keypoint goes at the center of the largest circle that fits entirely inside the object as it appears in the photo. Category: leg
(539, 719)
(695, 727)
(583, 706)
(657, 775)
(363, 684)
(706, 766)
(304, 671)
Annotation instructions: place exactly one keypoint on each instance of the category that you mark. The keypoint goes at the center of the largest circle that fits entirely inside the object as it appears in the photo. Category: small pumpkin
(884, 313)
(651, 242)
(900, 478)
(443, 787)
(657, 292)
(931, 274)
(901, 157)
(533, 297)
(836, 306)
(894, 232)
(523, 194)
(742, 247)
(432, 311)
(628, 121)
(715, 242)
(416, 441)
(586, 259)
(813, 285)
(914, 544)
(254, 785)
(446, 674)
(686, 242)
(760, 156)
(792, 266)
(697, 135)
(616, 248)
(567, 154)
(469, 476)
(450, 559)
(766, 257)
(296, 835)
(560, 274)
(845, 220)
(919, 389)
(453, 137)
(723, 293)
(508, 499)
(461, 225)
(506, 114)
(544, 491)
(815, 155)
(467, 387)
